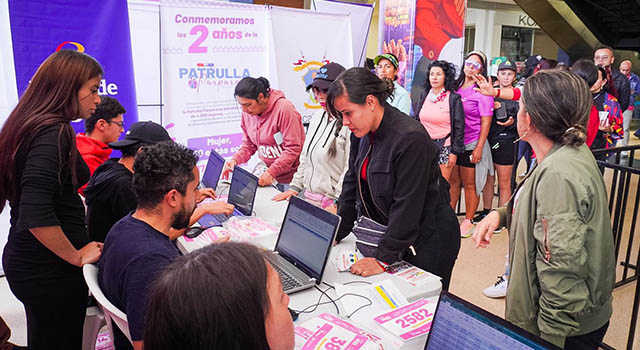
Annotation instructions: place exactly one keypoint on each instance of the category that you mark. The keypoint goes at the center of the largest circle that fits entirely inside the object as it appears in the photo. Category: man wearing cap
(109, 193)
(387, 68)
(325, 155)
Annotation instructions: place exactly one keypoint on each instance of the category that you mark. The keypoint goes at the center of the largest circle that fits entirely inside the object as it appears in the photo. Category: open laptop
(458, 324)
(306, 236)
(213, 170)
(242, 195)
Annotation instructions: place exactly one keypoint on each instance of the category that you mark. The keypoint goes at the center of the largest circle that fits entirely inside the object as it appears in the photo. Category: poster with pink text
(207, 47)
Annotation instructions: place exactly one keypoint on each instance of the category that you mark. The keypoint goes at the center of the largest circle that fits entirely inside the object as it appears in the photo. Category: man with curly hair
(103, 127)
(165, 181)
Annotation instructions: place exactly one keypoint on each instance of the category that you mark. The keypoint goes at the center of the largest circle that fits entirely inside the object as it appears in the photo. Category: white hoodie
(318, 172)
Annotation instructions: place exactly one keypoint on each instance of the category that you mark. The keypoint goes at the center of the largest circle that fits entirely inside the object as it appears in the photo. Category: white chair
(111, 313)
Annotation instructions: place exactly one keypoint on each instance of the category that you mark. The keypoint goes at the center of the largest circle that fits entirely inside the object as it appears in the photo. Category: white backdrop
(317, 39)
(360, 23)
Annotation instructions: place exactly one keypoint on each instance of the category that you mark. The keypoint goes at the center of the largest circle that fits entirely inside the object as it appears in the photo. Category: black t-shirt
(133, 256)
(499, 133)
(45, 196)
(109, 196)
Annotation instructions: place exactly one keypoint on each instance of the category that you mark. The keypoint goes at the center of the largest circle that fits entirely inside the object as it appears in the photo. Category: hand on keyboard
(218, 207)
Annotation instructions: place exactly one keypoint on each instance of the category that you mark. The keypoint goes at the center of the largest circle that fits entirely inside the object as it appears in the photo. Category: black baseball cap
(326, 75)
(507, 65)
(145, 132)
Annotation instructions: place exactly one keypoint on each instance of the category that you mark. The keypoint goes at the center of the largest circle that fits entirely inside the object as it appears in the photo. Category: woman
(502, 135)
(441, 112)
(478, 111)
(387, 68)
(393, 179)
(270, 125)
(41, 173)
(223, 296)
(325, 155)
(601, 132)
(560, 240)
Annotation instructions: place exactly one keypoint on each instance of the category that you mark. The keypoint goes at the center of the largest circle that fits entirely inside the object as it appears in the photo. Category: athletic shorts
(503, 152)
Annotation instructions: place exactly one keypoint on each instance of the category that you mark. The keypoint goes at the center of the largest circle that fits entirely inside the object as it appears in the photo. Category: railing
(624, 197)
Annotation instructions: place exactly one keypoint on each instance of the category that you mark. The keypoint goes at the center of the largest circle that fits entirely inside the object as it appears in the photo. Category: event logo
(208, 74)
(79, 47)
(308, 70)
(110, 89)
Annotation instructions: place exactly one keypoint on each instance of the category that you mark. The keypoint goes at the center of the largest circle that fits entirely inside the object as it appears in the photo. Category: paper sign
(409, 321)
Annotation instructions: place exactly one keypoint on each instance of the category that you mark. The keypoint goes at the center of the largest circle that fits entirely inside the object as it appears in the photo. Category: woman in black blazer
(393, 179)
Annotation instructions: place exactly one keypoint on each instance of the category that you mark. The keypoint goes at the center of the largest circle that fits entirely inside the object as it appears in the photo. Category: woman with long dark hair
(441, 112)
(42, 171)
(478, 111)
(393, 182)
(223, 296)
(325, 154)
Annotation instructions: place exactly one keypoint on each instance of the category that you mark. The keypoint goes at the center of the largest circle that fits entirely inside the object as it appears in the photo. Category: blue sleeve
(138, 280)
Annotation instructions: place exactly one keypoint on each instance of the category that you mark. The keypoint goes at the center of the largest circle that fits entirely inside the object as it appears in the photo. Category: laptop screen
(458, 324)
(243, 190)
(213, 170)
(306, 236)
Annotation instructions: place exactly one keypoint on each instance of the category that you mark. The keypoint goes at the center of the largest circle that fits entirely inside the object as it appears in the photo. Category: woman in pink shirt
(441, 112)
(478, 111)
(272, 127)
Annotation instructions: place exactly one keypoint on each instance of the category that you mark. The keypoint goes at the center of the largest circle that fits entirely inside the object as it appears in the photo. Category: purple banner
(98, 28)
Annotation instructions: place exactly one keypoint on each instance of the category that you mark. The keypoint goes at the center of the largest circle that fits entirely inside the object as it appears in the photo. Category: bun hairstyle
(559, 103)
(251, 88)
(358, 83)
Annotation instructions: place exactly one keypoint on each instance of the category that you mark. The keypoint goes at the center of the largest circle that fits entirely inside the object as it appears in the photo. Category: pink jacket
(277, 134)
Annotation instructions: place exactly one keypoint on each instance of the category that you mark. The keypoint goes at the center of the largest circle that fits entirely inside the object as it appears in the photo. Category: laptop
(213, 170)
(301, 252)
(458, 324)
(242, 195)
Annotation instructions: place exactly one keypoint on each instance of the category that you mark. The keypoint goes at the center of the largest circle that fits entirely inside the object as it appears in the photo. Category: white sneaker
(466, 228)
(499, 289)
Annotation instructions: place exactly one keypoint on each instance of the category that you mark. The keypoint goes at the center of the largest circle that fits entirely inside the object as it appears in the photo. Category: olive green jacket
(560, 248)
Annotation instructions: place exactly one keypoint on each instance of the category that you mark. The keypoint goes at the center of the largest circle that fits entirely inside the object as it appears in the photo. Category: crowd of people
(369, 152)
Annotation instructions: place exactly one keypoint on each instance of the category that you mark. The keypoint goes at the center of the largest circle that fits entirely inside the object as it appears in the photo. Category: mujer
(478, 111)
(325, 155)
(272, 127)
(560, 241)
(393, 179)
(441, 112)
(387, 68)
(41, 173)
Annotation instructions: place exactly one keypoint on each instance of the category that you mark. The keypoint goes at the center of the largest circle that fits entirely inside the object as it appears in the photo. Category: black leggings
(589, 341)
(437, 253)
(55, 324)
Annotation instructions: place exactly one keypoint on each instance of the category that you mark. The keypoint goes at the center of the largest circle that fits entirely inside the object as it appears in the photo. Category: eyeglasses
(472, 64)
(119, 124)
(195, 231)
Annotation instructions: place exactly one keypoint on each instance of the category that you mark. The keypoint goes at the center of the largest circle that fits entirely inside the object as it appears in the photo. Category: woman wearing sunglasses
(478, 110)
(325, 154)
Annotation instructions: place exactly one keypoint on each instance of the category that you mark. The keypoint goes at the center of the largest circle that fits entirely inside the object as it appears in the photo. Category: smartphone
(501, 113)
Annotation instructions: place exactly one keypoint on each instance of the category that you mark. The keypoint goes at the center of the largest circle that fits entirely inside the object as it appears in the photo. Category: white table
(273, 212)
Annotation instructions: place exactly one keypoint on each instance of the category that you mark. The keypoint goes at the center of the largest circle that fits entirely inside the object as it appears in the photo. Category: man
(140, 245)
(634, 87)
(617, 84)
(103, 127)
(109, 193)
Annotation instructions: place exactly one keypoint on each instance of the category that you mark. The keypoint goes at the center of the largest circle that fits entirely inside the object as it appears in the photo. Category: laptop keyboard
(288, 282)
(221, 217)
